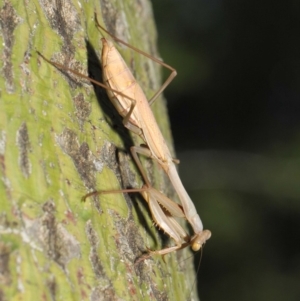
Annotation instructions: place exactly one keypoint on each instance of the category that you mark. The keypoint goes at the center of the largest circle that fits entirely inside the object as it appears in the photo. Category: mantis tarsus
(132, 104)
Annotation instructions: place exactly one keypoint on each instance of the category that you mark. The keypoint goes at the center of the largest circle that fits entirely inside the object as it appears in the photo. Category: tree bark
(60, 138)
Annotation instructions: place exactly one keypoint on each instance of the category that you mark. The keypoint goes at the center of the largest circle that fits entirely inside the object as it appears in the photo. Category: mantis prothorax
(132, 104)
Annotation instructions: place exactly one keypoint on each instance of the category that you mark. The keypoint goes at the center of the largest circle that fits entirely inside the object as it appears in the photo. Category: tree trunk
(60, 138)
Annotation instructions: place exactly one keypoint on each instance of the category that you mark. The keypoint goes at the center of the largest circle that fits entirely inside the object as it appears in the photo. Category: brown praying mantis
(139, 118)
(132, 104)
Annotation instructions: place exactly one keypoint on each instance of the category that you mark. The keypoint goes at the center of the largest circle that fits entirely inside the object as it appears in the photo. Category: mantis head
(199, 239)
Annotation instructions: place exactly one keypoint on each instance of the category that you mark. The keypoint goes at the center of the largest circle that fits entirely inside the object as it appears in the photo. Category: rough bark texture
(60, 138)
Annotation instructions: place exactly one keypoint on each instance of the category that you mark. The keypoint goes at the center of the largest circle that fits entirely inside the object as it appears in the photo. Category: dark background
(235, 116)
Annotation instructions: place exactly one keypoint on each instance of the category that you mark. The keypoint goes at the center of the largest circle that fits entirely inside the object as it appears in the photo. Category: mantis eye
(196, 246)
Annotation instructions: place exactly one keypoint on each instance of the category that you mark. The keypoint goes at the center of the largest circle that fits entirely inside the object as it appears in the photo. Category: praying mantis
(131, 103)
(138, 117)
